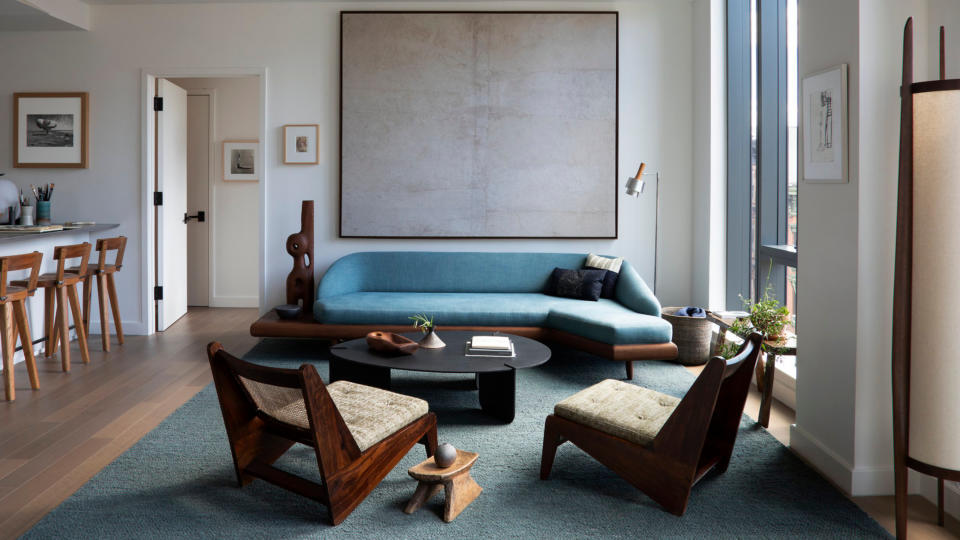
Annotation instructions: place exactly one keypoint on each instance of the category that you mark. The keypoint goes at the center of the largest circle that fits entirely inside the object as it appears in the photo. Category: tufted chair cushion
(621, 409)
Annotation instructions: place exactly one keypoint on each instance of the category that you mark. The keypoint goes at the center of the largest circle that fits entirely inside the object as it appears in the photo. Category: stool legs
(104, 321)
(87, 294)
(62, 331)
(49, 305)
(23, 327)
(78, 324)
(112, 288)
(7, 340)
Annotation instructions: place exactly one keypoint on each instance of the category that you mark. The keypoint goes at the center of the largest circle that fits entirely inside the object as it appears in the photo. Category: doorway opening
(206, 185)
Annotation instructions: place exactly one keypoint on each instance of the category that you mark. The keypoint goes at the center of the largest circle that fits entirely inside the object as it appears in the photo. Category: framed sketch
(300, 144)
(52, 130)
(509, 133)
(241, 162)
(824, 118)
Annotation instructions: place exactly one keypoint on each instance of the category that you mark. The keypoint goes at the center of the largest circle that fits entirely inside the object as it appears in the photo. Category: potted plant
(767, 316)
(425, 325)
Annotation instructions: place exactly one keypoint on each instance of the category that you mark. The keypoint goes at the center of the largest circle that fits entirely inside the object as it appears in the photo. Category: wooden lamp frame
(902, 289)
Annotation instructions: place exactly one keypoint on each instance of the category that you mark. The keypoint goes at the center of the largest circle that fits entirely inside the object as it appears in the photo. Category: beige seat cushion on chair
(371, 414)
(625, 410)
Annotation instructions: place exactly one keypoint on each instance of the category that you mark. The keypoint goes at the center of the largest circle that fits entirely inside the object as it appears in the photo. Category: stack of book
(490, 346)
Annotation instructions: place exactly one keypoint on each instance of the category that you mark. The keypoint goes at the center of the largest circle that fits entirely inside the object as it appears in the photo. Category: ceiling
(15, 15)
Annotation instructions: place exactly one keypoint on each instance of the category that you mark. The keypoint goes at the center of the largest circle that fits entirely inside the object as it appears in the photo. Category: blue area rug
(178, 481)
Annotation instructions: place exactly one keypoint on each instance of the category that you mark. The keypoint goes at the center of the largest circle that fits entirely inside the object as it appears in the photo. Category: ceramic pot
(432, 341)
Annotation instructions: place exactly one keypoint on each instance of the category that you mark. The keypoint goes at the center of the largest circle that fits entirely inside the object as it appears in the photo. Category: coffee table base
(497, 390)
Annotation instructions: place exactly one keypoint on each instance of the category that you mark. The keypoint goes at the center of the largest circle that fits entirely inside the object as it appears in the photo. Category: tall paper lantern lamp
(926, 351)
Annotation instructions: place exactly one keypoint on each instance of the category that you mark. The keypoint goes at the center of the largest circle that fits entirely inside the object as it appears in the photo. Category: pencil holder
(43, 212)
(27, 215)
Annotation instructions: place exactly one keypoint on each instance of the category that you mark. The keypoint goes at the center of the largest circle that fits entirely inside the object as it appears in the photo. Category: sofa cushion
(577, 284)
(607, 321)
(621, 409)
(447, 309)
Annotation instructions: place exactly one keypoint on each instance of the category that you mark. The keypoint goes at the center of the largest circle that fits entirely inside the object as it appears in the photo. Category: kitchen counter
(6, 236)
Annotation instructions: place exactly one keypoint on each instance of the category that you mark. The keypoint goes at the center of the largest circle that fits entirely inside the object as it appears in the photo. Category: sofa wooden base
(270, 325)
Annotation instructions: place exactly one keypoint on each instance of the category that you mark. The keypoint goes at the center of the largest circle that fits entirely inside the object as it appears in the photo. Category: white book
(496, 343)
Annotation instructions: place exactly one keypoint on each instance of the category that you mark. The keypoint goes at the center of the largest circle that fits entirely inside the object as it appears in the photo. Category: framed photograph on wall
(241, 160)
(824, 119)
(300, 144)
(52, 129)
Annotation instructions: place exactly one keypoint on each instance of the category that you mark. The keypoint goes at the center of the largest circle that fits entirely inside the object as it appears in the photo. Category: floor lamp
(635, 187)
(925, 356)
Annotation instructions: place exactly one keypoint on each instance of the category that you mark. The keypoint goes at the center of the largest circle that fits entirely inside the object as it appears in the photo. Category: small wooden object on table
(786, 346)
(461, 489)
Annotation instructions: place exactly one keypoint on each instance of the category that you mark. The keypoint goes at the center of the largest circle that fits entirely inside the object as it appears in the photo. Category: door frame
(211, 179)
(148, 78)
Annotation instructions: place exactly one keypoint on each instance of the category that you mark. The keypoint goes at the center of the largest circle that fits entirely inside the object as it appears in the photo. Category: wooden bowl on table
(390, 343)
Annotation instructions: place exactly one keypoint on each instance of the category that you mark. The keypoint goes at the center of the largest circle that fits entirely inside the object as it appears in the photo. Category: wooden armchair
(359, 433)
(661, 444)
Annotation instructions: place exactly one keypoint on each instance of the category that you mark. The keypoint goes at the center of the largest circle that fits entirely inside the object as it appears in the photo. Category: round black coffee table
(496, 377)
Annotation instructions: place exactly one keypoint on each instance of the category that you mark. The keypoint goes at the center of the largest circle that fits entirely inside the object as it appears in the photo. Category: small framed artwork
(300, 144)
(824, 118)
(52, 129)
(241, 162)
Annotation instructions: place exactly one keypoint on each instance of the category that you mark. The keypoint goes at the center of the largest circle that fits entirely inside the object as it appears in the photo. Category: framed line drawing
(52, 130)
(300, 144)
(241, 160)
(824, 119)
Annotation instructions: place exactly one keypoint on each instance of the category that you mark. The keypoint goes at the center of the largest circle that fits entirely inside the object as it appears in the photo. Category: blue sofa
(365, 291)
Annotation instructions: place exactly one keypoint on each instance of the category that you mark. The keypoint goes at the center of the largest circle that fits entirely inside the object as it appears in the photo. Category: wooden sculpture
(300, 247)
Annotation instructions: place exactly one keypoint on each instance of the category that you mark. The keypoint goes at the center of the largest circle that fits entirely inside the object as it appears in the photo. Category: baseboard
(826, 461)
(132, 328)
(235, 301)
(868, 481)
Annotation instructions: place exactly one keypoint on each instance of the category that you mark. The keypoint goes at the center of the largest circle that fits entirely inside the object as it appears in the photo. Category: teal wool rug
(178, 481)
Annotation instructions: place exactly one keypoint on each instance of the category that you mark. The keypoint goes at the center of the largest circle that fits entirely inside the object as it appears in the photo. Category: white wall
(298, 45)
(709, 154)
(827, 266)
(235, 207)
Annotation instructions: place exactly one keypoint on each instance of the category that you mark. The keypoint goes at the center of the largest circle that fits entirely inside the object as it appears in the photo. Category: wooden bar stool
(106, 285)
(13, 317)
(60, 289)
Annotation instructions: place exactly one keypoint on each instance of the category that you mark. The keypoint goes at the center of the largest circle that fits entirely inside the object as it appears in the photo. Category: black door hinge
(158, 293)
(158, 103)
(158, 198)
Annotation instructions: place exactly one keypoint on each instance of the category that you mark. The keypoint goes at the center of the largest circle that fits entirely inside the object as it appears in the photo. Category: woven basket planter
(692, 335)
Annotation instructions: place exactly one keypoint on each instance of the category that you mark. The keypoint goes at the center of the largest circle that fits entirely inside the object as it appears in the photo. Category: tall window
(762, 144)
(762, 114)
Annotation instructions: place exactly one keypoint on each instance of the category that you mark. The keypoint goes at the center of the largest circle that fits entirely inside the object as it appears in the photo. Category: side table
(461, 489)
(765, 370)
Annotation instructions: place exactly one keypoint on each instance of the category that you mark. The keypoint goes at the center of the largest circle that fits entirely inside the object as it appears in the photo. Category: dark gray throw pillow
(579, 284)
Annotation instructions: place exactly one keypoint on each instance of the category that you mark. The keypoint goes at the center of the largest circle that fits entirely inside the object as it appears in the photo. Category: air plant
(422, 323)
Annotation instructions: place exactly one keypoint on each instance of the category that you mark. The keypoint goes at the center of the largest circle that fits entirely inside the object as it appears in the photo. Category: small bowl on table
(288, 312)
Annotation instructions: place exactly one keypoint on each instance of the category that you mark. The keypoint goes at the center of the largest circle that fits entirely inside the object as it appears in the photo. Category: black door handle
(201, 216)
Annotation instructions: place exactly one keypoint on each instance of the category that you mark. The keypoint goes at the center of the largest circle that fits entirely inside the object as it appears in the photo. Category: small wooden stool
(106, 286)
(461, 489)
(13, 317)
(60, 291)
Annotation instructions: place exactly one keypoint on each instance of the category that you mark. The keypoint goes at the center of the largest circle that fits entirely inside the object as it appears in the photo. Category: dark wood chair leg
(629, 364)
(429, 441)
(551, 440)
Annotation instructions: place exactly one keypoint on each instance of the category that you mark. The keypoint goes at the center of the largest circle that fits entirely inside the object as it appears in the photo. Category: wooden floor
(55, 439)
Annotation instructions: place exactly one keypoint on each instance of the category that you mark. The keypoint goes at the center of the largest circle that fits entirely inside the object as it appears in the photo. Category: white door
(198, 193)
(171, 181)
